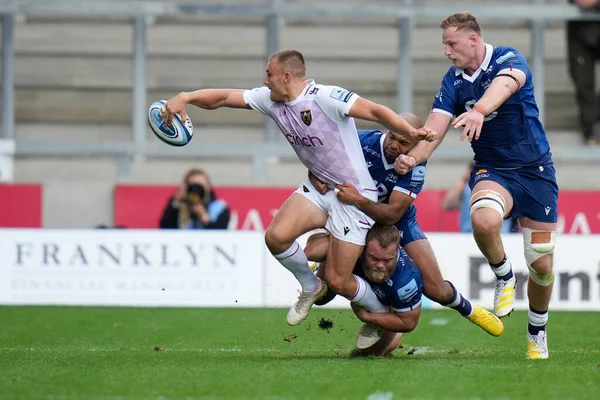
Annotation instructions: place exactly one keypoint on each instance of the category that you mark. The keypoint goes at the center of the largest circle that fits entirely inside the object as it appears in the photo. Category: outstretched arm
(369, 111)
(208, 99)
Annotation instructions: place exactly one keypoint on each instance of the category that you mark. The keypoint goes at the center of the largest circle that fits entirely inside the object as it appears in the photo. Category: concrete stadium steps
(81, 72)
(101, 107)
(92, 72)
(225, 40)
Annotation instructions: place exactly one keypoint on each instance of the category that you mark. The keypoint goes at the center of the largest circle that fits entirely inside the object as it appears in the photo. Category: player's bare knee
(542, 266)
(316, 247)
(275, 241)
(539, 247)
(487, 209)
(486, 222)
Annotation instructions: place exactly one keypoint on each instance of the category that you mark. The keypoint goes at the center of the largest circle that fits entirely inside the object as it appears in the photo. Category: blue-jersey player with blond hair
(490, 92)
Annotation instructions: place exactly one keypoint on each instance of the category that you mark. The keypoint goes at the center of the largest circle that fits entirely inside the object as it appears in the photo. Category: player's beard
(377, 275)
(391, 155)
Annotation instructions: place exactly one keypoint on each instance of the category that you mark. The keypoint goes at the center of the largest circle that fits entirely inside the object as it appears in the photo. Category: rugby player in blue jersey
(490, 92)
(394, 278)
(394, 207)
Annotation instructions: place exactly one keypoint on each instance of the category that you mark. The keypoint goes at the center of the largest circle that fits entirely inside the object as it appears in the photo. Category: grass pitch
(68, 353)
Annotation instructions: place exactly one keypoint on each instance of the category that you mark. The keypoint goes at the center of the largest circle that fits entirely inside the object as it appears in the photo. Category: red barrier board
(253, 208)
(20, 206)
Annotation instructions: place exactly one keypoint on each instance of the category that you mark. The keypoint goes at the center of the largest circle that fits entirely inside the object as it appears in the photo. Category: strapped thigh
(486, 198)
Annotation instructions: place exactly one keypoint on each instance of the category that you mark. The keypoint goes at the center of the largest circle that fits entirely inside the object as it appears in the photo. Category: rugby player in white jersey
(318, 121)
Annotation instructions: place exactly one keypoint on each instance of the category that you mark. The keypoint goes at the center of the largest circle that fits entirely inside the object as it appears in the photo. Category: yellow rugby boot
(486, 321)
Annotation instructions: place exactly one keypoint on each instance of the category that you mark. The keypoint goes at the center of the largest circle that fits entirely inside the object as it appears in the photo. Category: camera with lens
(195, 194)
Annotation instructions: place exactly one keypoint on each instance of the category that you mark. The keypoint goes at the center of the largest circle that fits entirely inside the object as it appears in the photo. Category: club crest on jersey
(306, 117)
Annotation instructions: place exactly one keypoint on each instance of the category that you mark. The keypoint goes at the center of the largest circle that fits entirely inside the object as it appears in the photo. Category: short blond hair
(385, 235)
(291, 60)
(461, 20)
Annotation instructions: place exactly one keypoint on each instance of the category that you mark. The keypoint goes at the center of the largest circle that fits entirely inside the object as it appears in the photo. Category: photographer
(195, 206)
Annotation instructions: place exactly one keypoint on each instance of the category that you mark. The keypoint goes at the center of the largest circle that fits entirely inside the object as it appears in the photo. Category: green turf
(65, 353)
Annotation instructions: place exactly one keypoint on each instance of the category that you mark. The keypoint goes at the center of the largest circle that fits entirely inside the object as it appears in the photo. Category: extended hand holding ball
(177, 134)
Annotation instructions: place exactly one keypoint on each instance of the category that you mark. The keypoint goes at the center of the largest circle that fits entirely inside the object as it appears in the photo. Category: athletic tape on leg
(534, 251)
(487, 199)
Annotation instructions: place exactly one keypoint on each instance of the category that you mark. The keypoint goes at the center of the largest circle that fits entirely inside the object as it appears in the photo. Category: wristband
(481, 110)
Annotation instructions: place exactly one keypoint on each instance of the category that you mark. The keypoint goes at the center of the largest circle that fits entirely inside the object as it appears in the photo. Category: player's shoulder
(329, 92)
(407, 278)
(407, 268)
(504, 54)
(369, 136)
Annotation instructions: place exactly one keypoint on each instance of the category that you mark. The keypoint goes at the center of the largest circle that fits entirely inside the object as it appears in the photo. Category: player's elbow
(388, 219)
(411, 324)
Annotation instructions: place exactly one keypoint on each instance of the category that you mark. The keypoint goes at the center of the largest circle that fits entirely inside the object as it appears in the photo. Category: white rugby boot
(537, 346)
(368, 335)
(504, 296)
(300, 310)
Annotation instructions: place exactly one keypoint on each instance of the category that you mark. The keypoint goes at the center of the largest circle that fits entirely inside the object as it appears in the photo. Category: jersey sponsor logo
(438, 96)
(482, 175)
(481, 171)
(505, 57)
(306, 117)
(408, 291)
(378, 292)
(486, 84)
(418, 175)
(393, 177)
(314, 91)
(341, 94)
(371, 151)
(307, 141)
(458, 82)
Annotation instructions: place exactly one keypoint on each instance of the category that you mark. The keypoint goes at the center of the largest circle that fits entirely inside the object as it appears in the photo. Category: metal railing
(406, 12)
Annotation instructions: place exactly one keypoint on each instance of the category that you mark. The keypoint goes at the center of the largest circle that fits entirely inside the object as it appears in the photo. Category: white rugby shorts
(345, 222)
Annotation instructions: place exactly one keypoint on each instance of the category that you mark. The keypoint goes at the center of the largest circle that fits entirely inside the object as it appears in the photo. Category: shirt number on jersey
(382, 192)
(469, 106)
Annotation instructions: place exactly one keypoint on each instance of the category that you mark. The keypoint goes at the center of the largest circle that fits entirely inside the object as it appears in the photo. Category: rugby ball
(177, 134)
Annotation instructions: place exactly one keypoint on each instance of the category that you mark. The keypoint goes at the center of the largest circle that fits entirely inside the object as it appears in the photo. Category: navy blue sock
(459, 303)
(503, 269)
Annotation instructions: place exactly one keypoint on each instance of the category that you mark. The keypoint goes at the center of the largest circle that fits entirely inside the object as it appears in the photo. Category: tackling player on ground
(394, 278)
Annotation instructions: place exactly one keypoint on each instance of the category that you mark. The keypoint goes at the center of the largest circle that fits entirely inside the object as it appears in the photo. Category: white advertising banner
(132, 267)
(234, 269)
(576, 263)
(576, 269)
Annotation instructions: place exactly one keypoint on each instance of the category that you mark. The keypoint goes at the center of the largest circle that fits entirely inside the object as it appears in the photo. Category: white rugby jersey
(321, 133)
